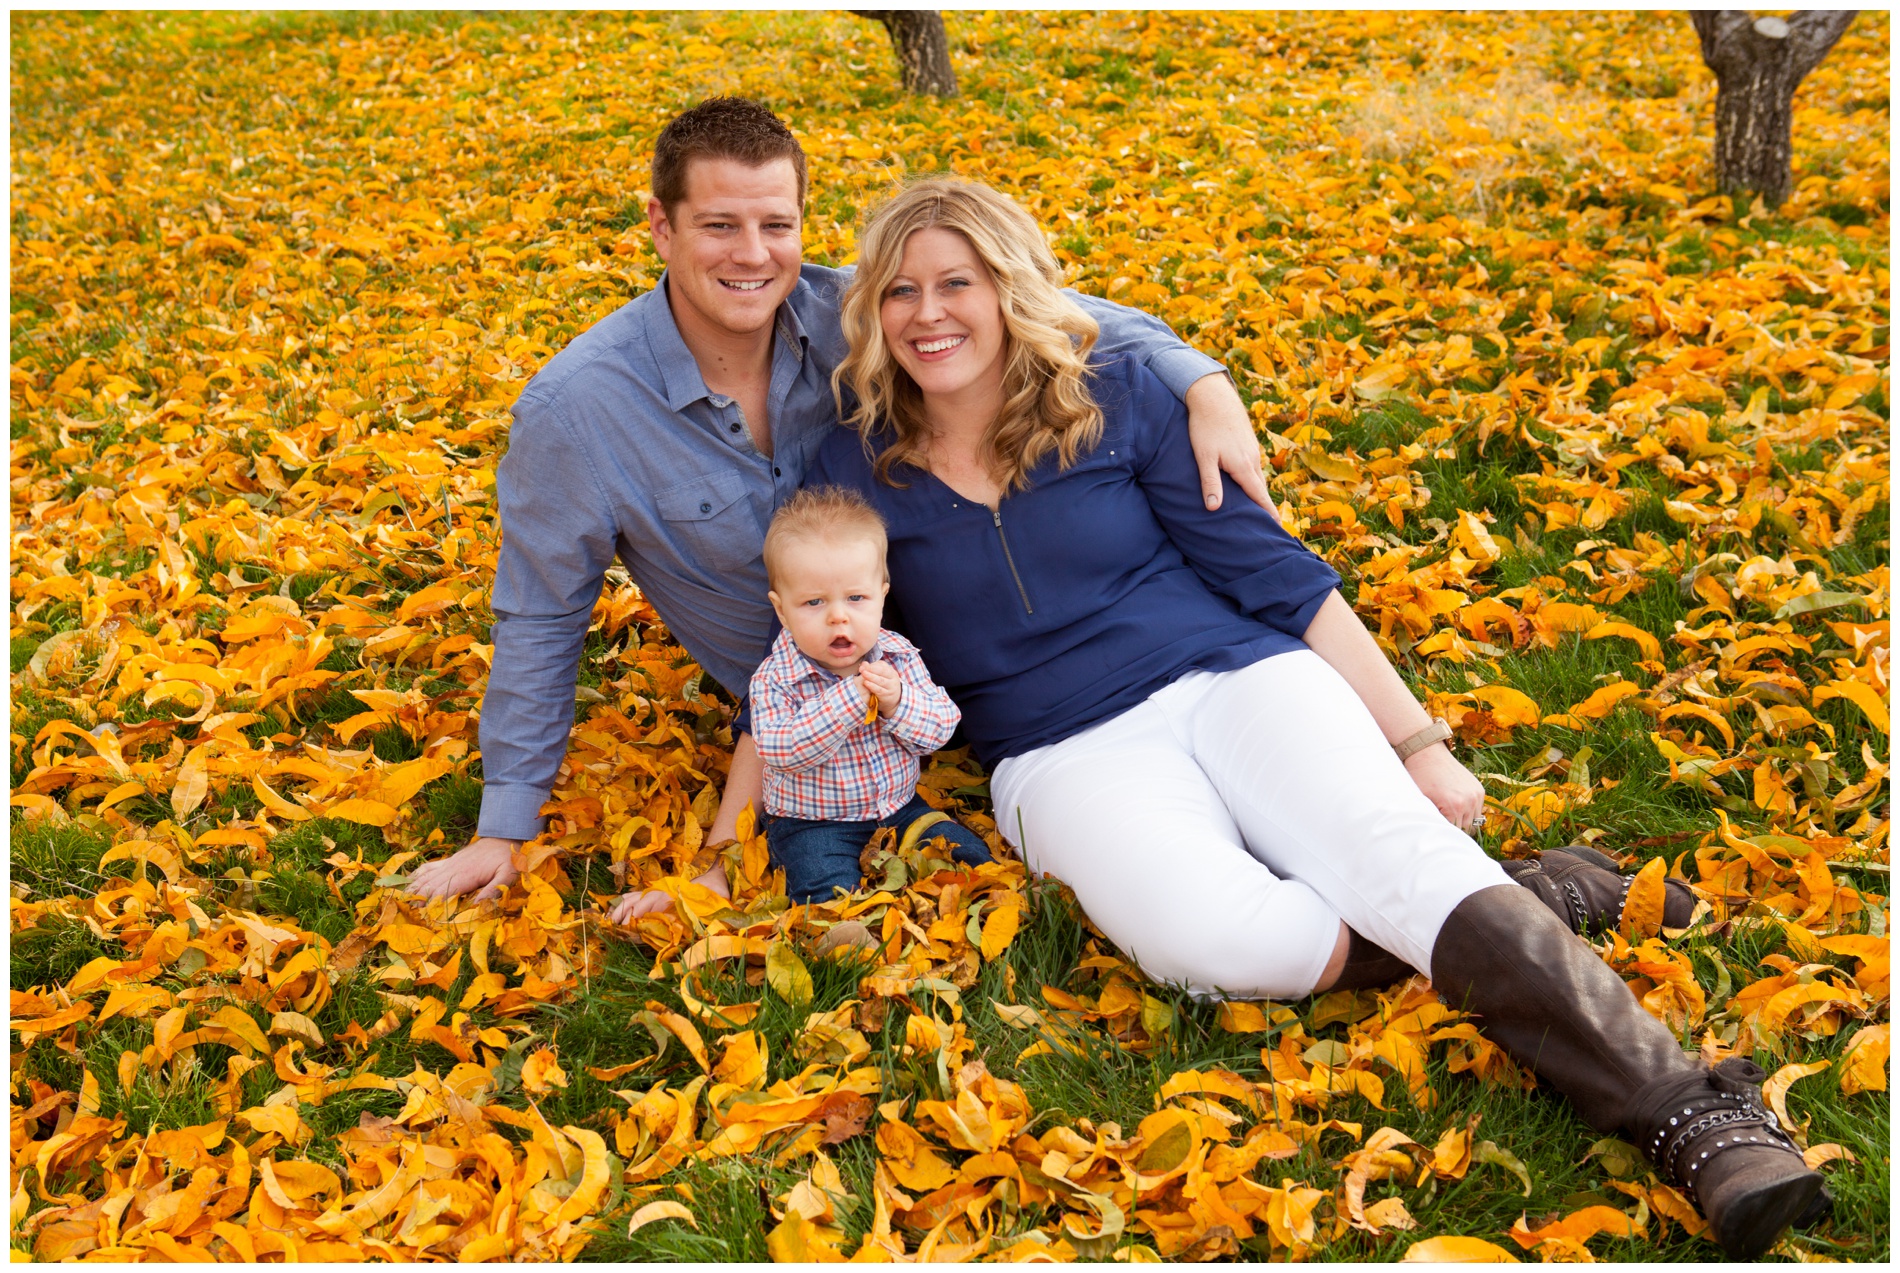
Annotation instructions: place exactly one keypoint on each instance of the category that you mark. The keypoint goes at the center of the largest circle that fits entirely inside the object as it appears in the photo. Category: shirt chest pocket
(710, 521)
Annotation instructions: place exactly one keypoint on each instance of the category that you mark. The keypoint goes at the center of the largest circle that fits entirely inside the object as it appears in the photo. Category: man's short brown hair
(721, 128)
(833, 514)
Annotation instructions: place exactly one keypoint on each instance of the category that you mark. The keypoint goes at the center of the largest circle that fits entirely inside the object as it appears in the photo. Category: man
(667, 434)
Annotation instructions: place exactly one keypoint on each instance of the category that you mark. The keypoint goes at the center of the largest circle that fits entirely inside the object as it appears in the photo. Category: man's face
(732, 246)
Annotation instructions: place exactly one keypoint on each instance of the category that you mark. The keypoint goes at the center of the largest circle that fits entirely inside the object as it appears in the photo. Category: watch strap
(1436, 732)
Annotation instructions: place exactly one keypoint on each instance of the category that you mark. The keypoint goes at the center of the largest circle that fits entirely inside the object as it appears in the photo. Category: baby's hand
(881, 682)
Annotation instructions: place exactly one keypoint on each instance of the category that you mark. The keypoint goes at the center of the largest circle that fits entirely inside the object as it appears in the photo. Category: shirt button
(734, 426)
(706, 507)
(775, 471)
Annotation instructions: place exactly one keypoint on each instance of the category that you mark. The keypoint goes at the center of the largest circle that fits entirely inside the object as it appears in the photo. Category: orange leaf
(1650, 646)
(1510, 707)
(541, 1073)
(1775, 1090)
(194, 781)
(1861, 695)
(654, 1211)
(369, 812)
(1456, 1251)
(1864, 1068)
(1643, 904)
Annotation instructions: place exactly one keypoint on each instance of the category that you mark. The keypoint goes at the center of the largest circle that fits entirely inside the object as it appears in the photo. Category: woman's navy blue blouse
(1079, 597)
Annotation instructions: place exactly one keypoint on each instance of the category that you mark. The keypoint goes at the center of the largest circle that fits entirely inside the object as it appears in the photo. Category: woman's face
(943, 320)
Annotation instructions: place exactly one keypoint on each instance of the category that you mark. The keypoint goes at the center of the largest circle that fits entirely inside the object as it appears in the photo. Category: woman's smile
(939, 347)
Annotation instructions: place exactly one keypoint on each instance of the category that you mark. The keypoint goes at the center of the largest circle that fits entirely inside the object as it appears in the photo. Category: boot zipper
(996, 516)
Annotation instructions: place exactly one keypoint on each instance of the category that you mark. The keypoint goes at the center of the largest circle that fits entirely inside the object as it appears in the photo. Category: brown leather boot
(1585, 889)
(1369, 965)
(1545, 998)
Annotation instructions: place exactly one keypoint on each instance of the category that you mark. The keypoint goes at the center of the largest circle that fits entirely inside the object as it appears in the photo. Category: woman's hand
(651, 901)
(1450, 786)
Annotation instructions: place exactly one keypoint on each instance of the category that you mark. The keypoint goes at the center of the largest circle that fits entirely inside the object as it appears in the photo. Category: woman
(1185, 721)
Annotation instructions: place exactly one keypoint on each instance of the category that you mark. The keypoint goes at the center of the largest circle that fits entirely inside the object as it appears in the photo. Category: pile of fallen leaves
(270, 308)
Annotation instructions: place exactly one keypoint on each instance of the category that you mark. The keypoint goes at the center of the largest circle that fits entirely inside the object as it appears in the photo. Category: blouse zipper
(996, 515)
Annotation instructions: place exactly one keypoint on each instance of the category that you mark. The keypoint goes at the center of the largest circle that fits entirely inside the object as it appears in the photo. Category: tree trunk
(922, 46)
(1758, 64)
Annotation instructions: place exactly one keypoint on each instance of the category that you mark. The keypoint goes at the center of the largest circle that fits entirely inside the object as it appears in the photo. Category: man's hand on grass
(481, 868)
(651, 901)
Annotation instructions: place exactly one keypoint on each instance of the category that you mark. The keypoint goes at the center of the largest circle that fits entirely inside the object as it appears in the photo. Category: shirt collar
(679, 369)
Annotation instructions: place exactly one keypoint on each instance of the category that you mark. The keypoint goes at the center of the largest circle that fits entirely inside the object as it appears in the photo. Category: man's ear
(661, 228)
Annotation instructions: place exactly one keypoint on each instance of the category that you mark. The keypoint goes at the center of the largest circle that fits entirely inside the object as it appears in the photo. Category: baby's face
(830, 597)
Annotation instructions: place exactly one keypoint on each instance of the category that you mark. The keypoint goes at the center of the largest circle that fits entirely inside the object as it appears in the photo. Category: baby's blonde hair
(824, 513)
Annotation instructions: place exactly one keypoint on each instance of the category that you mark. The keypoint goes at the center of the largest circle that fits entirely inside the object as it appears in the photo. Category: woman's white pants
(1220, 831)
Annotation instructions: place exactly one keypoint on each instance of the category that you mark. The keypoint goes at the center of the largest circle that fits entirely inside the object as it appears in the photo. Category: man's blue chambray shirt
(619, 449)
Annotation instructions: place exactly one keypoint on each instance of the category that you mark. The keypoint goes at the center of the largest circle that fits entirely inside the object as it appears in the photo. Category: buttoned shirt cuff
(511, 811)
(1180, 368)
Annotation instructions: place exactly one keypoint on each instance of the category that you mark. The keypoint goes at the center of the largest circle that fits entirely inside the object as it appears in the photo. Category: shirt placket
(788, 364)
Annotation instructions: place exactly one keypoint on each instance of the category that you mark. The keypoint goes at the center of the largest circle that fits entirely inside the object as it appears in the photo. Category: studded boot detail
(1547, 999)
(1723, 1146)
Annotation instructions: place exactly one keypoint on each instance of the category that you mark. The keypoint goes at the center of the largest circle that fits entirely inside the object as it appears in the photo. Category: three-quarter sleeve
(1240, 550)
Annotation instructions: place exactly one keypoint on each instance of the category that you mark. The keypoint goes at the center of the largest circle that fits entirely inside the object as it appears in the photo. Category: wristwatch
(1436, 732)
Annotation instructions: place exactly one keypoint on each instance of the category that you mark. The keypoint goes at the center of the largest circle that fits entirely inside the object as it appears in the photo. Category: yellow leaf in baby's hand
(542, 1073)
(1643, 904)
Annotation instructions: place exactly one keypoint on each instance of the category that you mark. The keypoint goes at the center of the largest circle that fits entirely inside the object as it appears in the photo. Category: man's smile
(744, 285)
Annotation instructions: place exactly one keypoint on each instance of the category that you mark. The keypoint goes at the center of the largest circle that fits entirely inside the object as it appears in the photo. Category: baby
(841, 709)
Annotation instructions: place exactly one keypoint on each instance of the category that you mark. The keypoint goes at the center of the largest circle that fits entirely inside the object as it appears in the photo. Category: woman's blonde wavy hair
(1046, 402)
